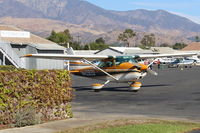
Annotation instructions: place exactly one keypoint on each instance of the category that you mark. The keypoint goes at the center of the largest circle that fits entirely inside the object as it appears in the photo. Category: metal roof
(47, 46)
(129, 50)
(123, 49)
(163, 50)
(85, 52)
(141, 51)
(195, 46)
(33, 39)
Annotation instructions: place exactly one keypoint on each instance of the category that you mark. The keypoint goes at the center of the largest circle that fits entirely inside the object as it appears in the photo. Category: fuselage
(125, 69)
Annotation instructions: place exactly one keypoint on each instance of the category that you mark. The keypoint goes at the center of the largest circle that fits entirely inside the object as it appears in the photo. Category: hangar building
(193, 47)
(15, 43)
(124, 51)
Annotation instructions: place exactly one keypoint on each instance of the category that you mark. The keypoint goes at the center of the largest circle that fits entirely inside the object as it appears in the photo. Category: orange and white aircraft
(111, 68)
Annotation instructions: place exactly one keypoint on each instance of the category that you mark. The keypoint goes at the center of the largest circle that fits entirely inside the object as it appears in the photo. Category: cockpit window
(106, 63)
(122, 59)
(116, 61)
(178, 60)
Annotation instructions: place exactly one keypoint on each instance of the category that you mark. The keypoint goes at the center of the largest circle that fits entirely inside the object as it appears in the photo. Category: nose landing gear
(135, 86)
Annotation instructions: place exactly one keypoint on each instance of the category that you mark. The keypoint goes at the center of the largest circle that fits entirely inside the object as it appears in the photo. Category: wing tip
(28, 55)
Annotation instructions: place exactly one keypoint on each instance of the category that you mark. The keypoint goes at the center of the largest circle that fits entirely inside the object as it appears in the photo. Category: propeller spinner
(146, 68)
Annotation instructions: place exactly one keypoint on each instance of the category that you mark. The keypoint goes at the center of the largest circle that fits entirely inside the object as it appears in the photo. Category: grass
(137, 126)
(147, 128)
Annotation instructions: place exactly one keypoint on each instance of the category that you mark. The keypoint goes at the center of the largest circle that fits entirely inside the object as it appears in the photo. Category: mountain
(16, 9)
(83, 18)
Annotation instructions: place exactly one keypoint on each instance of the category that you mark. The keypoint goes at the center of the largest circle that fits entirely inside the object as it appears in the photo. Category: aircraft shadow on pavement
(120, 89)
(160, 85)
(84, 88)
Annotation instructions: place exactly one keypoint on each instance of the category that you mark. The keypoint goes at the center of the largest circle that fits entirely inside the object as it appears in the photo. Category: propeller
(152, 72)
(146, 68)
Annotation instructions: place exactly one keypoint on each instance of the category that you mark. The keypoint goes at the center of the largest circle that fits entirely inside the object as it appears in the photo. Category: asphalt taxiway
(174, 93)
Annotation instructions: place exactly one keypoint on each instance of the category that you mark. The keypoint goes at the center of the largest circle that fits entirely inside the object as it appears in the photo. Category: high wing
(145, 56)
(94, 57)
(67, 57)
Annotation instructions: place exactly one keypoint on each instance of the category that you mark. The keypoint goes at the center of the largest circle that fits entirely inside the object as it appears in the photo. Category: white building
(124, 51)
(15, 43)
(164, 50)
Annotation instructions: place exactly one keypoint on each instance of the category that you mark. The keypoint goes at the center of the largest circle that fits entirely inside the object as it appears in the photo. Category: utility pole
(78, 38)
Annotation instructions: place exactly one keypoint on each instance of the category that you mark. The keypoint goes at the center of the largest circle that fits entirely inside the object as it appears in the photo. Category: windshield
(109, 62)
(122, 59)
(178, 61)
(106, 63)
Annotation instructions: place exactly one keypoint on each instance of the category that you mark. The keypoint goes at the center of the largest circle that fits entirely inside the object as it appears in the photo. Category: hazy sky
(186, 8)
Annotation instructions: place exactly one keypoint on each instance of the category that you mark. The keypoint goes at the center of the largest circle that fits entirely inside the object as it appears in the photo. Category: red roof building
(195, 46)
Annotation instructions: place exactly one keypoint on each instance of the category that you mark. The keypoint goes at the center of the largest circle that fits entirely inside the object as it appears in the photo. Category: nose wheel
(135, 86)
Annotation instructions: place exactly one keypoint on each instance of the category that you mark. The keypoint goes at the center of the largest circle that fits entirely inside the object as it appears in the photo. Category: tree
(179, 46)
(100, 40)
(75, 45)
(99, 44)
(95, 46)
(164, 45)
(126, 36)
(148, 40)
(197, 39)
(86, 47)
(53, 37)
(62, 38)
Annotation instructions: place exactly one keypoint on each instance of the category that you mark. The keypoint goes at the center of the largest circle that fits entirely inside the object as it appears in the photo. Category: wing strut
(100, 69)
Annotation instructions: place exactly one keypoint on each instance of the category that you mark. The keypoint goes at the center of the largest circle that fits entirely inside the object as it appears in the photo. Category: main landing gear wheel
(135, 86)
(97, 87)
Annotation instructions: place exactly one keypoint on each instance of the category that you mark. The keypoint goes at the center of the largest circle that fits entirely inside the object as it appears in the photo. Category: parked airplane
(181, 62)
(111, 68)
(195, 58)
(164, 60)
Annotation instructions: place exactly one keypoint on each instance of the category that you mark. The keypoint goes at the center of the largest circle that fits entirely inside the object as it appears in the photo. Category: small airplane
(164, 60)
(182, 62)
(194, 58)
(111, 68)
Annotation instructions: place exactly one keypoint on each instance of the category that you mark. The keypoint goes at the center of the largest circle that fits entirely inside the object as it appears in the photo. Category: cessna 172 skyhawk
(111, 68)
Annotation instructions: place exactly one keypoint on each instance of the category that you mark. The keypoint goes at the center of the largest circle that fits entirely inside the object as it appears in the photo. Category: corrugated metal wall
(108, 52)
(33, 63)
(50, 64)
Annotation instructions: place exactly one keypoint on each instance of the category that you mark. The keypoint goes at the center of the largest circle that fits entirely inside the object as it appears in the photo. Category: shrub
(26, 116)
(8, 67)
(45, 92)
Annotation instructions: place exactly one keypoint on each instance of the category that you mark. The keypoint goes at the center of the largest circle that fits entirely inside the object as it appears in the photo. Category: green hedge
(8, 68)
(29, 96)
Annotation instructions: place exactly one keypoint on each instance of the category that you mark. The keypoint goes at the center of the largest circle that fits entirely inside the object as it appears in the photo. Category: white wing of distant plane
(145, 56)
(93, 57)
